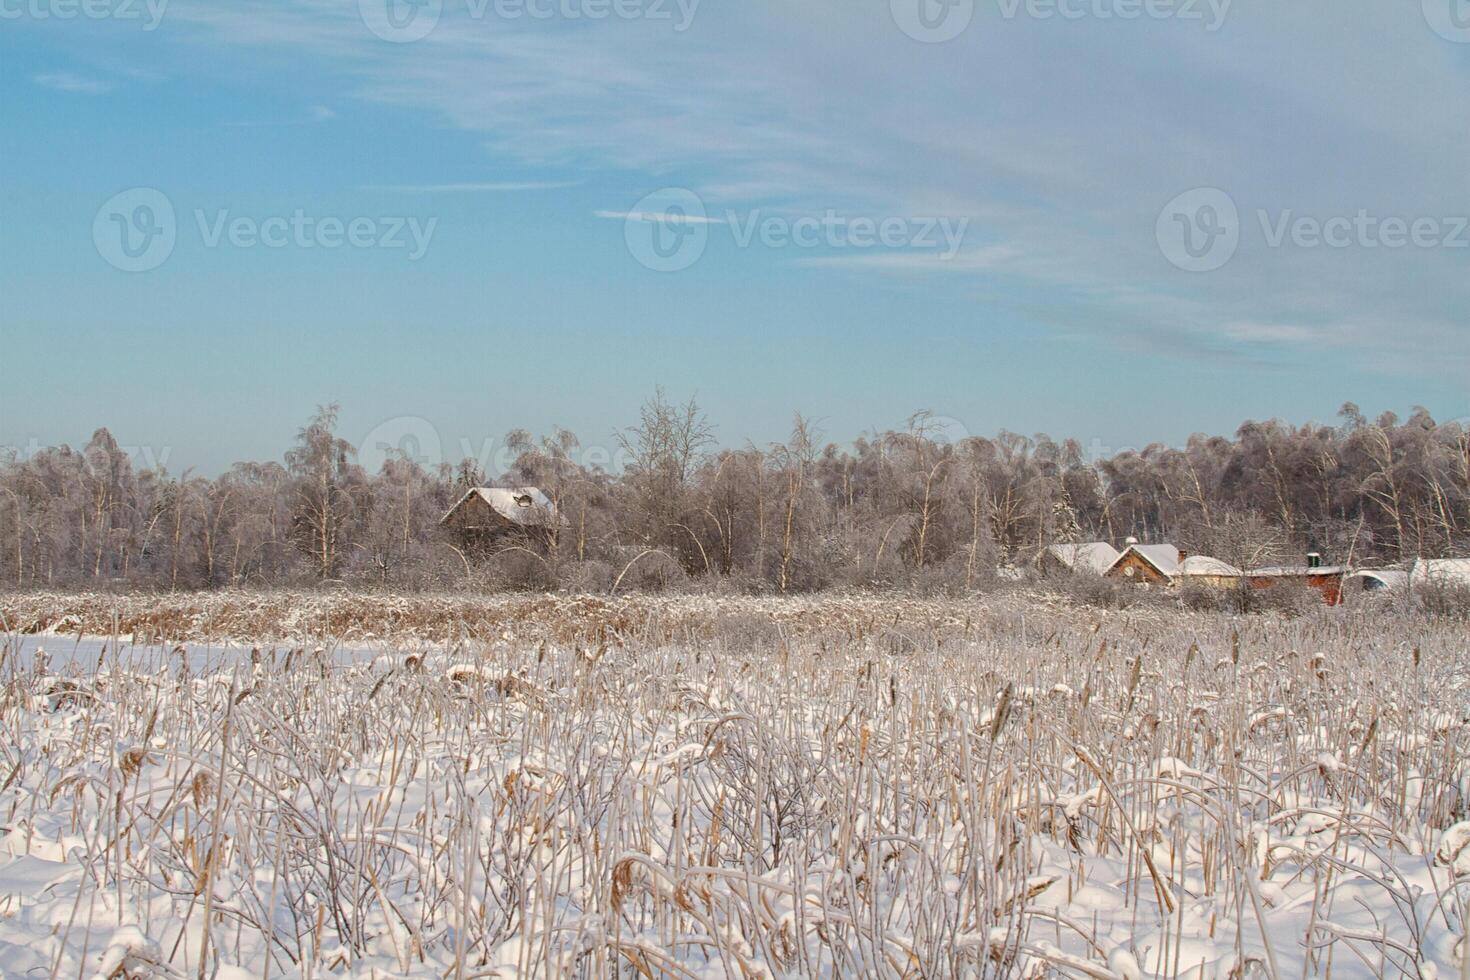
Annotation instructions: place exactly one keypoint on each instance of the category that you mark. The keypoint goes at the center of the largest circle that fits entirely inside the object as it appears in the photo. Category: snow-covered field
(991, 791)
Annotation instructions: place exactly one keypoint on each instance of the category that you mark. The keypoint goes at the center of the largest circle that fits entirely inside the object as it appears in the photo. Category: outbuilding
(1377, 580)
(1204, 570)
(1326, 579)
(1095, 557)
(1441, 571)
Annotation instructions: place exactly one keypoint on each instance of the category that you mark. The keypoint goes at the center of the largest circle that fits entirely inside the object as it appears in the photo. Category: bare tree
(325, 482)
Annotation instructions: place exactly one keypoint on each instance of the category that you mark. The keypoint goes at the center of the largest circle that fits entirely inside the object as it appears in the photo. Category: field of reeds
(856, 787)
(354, 617)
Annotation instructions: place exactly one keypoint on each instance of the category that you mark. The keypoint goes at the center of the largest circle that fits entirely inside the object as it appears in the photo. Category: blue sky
(1068, 143)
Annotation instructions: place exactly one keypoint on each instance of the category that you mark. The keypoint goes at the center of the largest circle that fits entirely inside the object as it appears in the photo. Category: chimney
(1129, 542)
(1314, 560)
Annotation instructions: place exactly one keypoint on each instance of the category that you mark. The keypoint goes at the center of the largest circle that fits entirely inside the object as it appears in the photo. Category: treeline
(903, 508)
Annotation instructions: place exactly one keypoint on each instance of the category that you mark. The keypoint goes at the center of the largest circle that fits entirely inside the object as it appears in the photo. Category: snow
(1106, 797)
(1092, 556)
(1203, 565)
(1164, 557)
(1453, 572)
(29, 876)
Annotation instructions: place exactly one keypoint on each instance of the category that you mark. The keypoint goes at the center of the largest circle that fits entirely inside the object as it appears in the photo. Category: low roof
(1164, 557)
(1296, 571)
(526, 506)
(1390, 578)
(1092, 556)
(1205, 565)
(1450, 571)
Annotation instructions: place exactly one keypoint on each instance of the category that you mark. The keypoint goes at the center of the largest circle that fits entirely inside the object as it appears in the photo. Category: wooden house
(1326, 579)
(1151, 564)
(486, 517)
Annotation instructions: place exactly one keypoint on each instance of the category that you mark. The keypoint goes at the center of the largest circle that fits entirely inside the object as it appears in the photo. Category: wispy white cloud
(65, 81)
(917, 260)
(481, 187)
(827, 105)
(312, 115)
(1276, 333)
(660, 217)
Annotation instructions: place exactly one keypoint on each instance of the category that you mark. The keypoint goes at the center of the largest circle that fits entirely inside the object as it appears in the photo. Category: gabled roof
(1093, 556)
(1163, 557)
(526, 506)
(1441, 571)
(1205, 565)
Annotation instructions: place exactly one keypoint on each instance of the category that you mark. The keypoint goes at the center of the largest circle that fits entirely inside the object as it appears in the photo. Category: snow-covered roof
(1205, 565)
(1386, 578)
(1441, 571)
(1164, 557)
(1092, 556)
(526, 506)
(1296, 571)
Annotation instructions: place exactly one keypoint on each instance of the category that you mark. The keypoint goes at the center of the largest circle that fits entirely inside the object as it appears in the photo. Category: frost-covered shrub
(586, 576)
(1444, 598)
(1087, 589)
